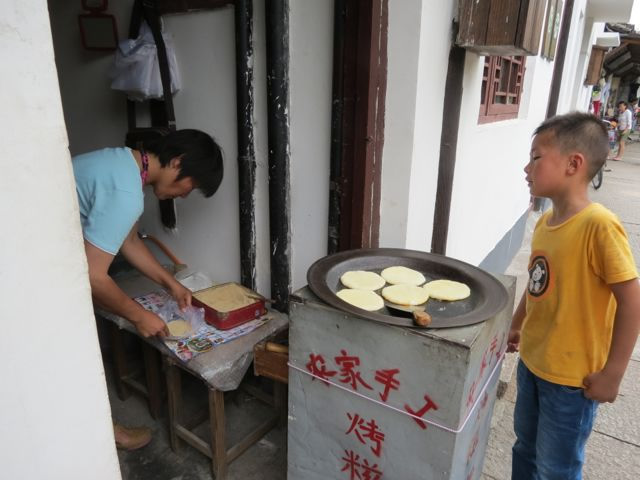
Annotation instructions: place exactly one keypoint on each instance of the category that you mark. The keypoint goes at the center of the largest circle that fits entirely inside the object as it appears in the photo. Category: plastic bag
(136, 70)
(193, 280)
(193, 316)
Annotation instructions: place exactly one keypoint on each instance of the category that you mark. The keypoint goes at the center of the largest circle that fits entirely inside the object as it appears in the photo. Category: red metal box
(229, 305)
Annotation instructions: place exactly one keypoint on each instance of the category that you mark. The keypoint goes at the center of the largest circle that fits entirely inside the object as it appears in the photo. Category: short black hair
(200, 157)
(622, 102)
(580, 132)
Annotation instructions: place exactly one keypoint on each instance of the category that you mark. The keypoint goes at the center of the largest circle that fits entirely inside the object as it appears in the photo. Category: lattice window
(501, 88)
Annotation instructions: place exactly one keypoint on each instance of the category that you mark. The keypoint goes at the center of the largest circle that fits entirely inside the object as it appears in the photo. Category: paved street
(613, 451)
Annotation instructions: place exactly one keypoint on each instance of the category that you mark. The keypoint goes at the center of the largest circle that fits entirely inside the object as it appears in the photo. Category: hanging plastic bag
(136, 71)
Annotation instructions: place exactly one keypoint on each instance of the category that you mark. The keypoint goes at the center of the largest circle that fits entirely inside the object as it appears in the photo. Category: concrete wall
(55, 420)
(207, 237)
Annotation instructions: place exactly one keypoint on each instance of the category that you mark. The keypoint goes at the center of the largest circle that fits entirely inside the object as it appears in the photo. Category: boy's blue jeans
(552, 423)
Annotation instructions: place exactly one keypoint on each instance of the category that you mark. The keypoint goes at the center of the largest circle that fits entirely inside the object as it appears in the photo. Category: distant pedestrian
(633, 106)
(578, 320)
(625, 123)
(596, 97)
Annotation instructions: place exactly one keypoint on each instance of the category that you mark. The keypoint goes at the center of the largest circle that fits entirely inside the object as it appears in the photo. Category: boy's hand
(601, 386)
(513, 341)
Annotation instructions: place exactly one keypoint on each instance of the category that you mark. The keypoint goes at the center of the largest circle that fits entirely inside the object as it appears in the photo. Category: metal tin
(233, 318)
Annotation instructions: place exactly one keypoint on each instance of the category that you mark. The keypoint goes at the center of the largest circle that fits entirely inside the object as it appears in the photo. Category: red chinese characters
(318, 367)
(494, 351)
(388, 381)
(429, 405)
(361, 470)
(347, 372)
(366, 431)
(346, 369)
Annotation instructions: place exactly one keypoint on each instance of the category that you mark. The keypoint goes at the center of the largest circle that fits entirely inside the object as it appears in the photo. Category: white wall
(574, 71)
(432, 73)
(403, 48)
(489, 191)
(418, 51)
(56, 421)
(310, 78)
(207, 237)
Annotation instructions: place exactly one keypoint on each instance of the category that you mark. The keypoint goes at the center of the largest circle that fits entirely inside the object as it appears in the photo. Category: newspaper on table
(204, 336)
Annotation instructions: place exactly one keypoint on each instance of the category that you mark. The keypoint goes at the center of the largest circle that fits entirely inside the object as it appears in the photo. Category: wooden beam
(558, 64)
(448, 148)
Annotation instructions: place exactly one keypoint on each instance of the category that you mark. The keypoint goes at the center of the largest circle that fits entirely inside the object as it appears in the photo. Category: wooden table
(220, 369)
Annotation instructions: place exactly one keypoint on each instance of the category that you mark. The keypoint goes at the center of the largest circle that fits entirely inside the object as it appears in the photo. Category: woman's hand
(149, 324)
(181, 294)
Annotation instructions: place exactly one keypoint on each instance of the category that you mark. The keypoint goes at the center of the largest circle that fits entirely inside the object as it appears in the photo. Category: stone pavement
(613, 450)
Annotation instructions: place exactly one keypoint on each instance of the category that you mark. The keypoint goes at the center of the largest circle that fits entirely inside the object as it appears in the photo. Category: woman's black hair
(200, 157)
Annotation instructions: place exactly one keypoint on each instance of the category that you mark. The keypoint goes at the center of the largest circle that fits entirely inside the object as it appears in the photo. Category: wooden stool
(217, 450)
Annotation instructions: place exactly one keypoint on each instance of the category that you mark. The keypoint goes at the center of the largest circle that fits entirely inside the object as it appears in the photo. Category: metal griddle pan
(488, 295)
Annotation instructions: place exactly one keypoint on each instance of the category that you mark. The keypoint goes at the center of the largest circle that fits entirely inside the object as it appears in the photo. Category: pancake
(402, 276)
(362, 280)
(364, 299)
(447, 290)
(404, 294)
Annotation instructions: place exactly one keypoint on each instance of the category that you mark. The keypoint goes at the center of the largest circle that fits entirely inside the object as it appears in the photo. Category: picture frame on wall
(98, 31)
(552, 28)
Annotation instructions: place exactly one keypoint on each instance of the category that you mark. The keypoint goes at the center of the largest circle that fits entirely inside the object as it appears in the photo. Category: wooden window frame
(494, 82)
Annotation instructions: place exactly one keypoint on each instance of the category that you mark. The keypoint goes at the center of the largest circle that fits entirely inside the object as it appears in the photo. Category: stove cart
(373, 397)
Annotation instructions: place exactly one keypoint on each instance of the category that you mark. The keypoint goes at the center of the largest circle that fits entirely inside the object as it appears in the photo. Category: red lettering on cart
(318, 367)
(501, 350)
(366, 430)
(471, 473)
(473, 447)
(472, 393)
(485, 400)
(349, 375)
(484, 364)
(386, 378)
(351, 465)
(360, 471)
(493, 348)
(370, 472)
(430, 405)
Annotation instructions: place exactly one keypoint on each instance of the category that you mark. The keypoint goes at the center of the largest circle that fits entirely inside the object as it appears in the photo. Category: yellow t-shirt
(570, 308)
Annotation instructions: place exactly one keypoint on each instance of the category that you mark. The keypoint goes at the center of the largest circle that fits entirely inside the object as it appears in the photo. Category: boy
(578, 320)
(625, 122)
(109, 185)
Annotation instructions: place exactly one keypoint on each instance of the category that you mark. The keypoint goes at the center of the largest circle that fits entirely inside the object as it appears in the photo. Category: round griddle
(488, 295)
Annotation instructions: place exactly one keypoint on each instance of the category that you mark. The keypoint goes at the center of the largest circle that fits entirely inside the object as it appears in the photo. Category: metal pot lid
(488, 295)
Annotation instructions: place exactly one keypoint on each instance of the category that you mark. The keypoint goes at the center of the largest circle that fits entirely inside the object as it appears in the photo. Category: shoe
(131, 438)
